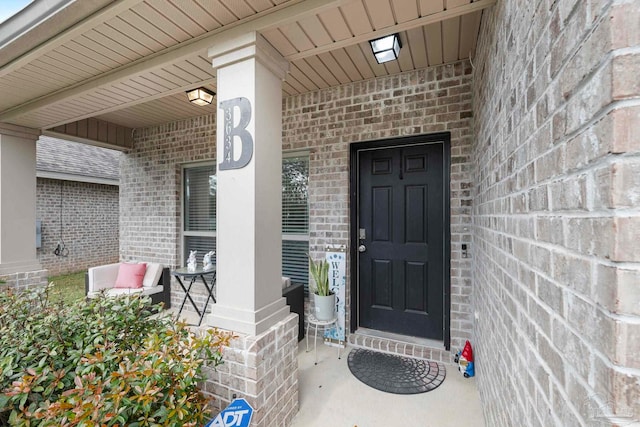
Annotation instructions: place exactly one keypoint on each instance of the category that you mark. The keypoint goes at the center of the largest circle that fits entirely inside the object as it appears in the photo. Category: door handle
(362, 248)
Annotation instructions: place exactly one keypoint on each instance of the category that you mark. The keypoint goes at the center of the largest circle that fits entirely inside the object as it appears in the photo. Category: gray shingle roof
(73, 158)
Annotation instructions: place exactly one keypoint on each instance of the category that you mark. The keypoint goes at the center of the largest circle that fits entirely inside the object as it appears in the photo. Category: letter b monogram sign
(246, 151)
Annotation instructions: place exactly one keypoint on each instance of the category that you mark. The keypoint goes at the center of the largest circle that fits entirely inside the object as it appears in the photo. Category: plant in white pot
(324, 301)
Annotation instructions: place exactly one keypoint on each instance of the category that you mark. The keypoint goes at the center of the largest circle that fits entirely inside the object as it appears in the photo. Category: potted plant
(324, 300)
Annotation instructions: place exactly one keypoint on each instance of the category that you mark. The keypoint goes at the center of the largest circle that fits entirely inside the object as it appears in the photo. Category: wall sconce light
(200, 96)
(386, 48)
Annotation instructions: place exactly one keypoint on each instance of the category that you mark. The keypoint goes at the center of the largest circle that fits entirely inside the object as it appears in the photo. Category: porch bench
(156, 283)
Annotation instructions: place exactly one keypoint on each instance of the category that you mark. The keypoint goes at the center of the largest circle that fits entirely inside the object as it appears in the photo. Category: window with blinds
(199, 210)
(200, 214)
(295, 219)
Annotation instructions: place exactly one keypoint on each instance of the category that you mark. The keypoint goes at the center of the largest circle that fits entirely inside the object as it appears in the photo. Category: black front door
(401, 233)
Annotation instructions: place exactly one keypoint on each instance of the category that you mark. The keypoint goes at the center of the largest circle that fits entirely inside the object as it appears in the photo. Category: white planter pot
(324, 307)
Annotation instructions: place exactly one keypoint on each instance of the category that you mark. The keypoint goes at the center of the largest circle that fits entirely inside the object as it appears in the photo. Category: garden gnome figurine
(191, 261)
(206, 260)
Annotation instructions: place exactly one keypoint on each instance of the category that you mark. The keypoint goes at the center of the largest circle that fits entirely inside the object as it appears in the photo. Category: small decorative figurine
(191, 261)
(206, 260)
(464, 359)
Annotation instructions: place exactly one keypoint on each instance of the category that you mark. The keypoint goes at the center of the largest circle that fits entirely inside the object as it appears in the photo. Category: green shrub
(105, 362)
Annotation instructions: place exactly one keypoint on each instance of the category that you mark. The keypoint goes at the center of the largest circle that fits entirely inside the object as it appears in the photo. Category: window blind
(295, 198)
(295, 263)
(200, 215)
(295, 219)
(202, 244)
(200, 198)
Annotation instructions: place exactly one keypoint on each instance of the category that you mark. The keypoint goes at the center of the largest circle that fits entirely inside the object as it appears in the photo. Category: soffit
(327, 47)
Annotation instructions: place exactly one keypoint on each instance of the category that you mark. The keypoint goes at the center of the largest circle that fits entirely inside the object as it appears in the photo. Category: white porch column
(18, 200)
(249, 202)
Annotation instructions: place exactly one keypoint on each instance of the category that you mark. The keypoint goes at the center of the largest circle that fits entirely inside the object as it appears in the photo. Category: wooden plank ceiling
(100, 70)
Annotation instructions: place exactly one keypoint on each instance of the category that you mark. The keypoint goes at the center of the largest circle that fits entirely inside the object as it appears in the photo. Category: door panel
(401, 208)
(382, 283)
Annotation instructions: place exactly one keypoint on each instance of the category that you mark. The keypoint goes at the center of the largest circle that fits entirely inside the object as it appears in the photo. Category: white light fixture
(386, 48)
(200, 96)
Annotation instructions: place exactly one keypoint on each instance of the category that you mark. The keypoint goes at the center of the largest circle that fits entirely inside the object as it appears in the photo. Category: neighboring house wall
(556, 223)
(89, 224)
(323, 122)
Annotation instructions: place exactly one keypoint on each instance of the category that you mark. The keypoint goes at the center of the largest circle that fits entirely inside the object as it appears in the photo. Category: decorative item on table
(191, 261)
(464, 359)
(207, 264)
(323, 298)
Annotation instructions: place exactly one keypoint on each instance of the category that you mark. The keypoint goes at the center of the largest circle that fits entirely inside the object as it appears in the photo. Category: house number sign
(246, 149)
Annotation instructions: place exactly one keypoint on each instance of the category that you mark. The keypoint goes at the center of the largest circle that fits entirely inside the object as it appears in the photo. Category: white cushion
(124, 291)
(128, 291)
(152, 275)
(286, 282)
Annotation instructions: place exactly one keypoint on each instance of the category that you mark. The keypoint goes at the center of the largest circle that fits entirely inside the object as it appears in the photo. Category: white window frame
(295, 236)
(299, 237)
(183, 222)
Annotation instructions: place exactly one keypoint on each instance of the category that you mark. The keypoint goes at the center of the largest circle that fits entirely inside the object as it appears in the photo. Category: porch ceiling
(130, 62)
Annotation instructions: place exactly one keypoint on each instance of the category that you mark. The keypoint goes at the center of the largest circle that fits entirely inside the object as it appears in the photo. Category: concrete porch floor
(331, 396)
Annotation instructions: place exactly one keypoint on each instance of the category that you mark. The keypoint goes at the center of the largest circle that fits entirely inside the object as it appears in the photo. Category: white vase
(324, 307)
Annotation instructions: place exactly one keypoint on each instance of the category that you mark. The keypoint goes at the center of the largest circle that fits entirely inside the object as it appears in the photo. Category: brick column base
(25, 280)
(262, 369)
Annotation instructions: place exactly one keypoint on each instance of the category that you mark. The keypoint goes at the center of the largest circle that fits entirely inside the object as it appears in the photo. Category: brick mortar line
(607, 159)
(535, 352)
(628, 265)
(556, 316)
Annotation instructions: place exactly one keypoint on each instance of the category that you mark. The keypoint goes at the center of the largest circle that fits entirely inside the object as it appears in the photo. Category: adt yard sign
(237, 414)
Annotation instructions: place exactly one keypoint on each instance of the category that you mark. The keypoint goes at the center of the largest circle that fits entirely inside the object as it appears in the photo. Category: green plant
(105, 362)
(320, 273)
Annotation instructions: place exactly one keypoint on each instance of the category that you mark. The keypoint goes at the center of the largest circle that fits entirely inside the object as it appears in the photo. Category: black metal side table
(192, 276)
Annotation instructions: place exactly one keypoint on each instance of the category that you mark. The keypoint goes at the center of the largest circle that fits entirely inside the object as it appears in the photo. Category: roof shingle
(73, 158)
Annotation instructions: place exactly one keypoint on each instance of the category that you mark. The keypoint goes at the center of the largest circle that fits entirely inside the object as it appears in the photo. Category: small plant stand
(324, 324)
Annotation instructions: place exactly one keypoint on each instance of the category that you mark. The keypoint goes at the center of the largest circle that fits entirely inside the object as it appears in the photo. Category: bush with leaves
(105, 362)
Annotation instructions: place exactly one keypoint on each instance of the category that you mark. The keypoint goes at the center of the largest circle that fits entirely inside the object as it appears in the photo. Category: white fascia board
(77, 178)
(31, 16)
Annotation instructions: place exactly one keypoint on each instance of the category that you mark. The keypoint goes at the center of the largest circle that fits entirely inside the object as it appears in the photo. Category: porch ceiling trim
(19, 131)
(425, 20)
(74, 138)
(76, 178)
(268, 19)
(81, 27)
(168, 92)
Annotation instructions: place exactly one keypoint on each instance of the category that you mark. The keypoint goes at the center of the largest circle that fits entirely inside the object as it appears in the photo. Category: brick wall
(556, 271)
(89, 224)
(262, 369)
(151, 191)
(324, 123)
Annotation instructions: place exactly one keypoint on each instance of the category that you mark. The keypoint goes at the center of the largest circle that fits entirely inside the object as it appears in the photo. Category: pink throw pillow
(130, 275)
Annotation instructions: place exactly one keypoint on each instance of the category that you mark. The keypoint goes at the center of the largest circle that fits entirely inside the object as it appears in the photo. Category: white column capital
(248, 46)
(19, 131)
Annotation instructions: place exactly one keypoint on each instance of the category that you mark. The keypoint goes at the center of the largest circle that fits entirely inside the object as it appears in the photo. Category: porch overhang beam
(95, 132)
(198, 45)
(425, 20)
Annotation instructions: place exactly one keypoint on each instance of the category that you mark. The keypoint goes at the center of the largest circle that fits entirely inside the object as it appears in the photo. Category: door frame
(355, 148)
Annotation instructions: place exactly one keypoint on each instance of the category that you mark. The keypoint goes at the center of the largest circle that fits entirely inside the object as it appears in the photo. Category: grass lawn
(68, 287)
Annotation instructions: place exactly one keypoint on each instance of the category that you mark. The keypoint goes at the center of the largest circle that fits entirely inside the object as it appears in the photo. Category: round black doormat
(395, 374)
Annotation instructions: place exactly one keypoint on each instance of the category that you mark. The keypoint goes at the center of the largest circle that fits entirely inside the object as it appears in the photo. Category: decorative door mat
(395, 374)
